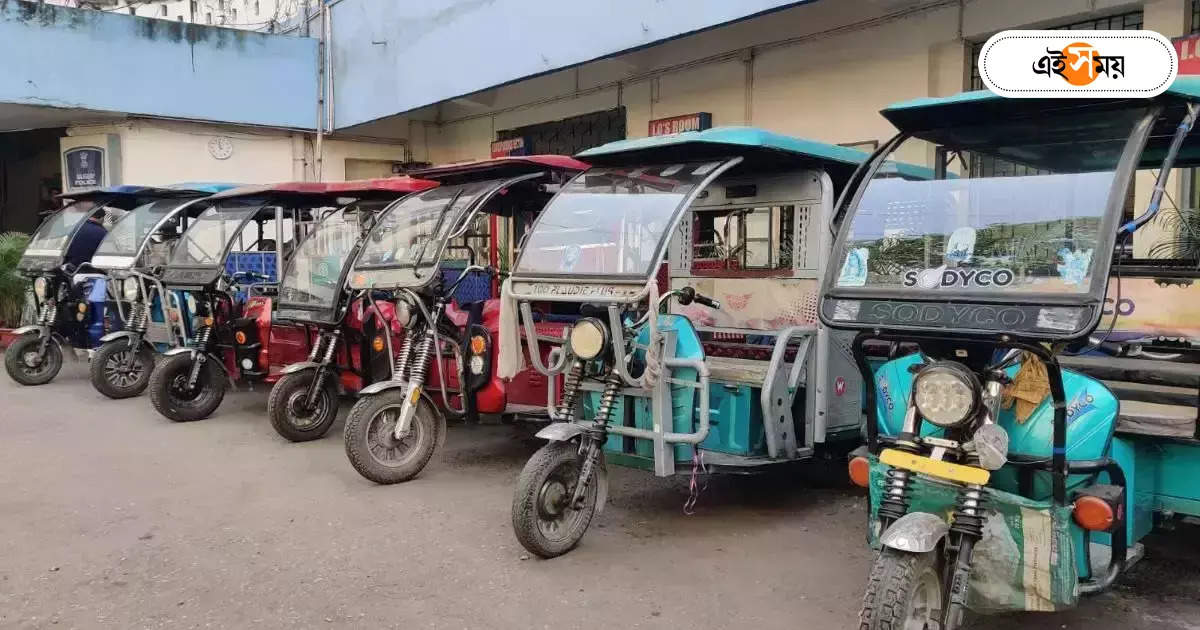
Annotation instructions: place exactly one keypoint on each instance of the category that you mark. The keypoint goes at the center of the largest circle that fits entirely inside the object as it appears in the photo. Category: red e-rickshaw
(437, 256)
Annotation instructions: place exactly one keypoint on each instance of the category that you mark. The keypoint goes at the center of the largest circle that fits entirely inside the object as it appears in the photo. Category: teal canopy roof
(751, 137)
(1185, 87)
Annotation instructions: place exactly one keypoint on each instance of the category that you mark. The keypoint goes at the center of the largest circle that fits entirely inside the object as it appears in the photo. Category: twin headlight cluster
(946, 394)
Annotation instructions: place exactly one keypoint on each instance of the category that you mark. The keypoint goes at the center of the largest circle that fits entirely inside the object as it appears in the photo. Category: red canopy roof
(552, 162)
(290, 188)
(380, 186)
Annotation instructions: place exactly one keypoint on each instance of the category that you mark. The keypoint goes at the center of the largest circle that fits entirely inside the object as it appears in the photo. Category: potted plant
(13, 286)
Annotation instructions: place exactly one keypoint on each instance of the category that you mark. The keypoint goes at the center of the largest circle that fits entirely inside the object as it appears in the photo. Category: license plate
(934, 468)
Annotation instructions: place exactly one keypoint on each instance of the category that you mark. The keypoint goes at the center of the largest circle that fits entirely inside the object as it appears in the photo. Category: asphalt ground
(112, 516)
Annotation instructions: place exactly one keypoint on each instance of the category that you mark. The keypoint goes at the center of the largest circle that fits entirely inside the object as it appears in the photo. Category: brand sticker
(941, 277)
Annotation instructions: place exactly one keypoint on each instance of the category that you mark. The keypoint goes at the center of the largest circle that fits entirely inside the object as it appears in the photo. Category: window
(757, 238)
(1130, 21)
(179, 17)
(234, 15)
(256, 7)
(163, 10)
(1195, 21)
(208, 18)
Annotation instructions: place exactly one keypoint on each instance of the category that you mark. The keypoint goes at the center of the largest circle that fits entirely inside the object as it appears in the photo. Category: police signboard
(85, 168)
(698, 121)
(512, 146)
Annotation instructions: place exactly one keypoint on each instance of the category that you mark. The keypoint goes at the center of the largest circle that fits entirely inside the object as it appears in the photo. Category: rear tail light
(860, 471)
(1093, 513)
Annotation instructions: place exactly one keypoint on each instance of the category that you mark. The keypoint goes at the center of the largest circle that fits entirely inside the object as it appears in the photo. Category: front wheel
(904, 592)
(543, 519)
(27, 365)
(291, 417)
(121, 371)
(372, 446)
(173, 398)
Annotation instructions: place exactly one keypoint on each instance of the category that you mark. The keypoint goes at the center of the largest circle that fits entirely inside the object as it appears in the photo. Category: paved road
(111, 516)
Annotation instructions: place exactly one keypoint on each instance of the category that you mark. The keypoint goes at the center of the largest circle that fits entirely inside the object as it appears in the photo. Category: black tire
(23, 351)
(540, 519)
(286, 407)
(373, 451)
(108, 372)
(169, 398)
(898, 592)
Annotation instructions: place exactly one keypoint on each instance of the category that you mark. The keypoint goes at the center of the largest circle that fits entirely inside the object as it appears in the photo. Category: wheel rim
(31, 360)
(556, 518)
(120, 371)
(926, 602)
(302, 418)
(382, 444)
(179, 387)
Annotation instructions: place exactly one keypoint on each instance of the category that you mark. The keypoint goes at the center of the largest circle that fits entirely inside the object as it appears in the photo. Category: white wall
(164, 152)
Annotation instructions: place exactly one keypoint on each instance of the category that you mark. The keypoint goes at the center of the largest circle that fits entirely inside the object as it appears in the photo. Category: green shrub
(13, 286)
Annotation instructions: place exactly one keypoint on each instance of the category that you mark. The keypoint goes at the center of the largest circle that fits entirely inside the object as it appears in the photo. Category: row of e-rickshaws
(703, 302)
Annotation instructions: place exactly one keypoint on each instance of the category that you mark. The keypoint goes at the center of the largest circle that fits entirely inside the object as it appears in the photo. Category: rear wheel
(27, 366)
(291, 417)
(543, 519)
(372, 446)
(171, 396)
(121, 371)
(904, 592)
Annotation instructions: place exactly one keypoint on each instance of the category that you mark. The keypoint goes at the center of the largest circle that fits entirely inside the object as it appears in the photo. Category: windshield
(1023, 210)
(51, 238)
(610, 221)
(128, 233)
(407, 242)
(205, 241)
(311, 280)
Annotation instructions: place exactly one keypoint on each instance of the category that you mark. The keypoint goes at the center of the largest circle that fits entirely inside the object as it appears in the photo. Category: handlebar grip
(707, 301)
(1110, 348)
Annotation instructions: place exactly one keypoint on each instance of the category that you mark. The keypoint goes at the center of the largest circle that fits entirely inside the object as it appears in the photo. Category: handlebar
(686, 295)
(1132, 350)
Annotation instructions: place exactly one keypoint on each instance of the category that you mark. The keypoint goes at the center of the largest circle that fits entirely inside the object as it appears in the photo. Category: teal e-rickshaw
(134, 254)
(1000, 480)
(729, 228)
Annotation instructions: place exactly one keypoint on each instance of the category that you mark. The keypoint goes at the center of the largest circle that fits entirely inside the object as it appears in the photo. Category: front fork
(590, 447)
(417, 369)
(139, 317)
(201, 356)
(330, 347)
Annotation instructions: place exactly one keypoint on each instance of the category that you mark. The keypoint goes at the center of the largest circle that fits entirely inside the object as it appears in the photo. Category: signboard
(513, 146)
(1186, 48)
(698, 121)
(85, 168)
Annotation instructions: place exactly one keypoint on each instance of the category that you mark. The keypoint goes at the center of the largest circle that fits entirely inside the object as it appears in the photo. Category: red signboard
(678, 124)
(1188, 49)
(505, 148)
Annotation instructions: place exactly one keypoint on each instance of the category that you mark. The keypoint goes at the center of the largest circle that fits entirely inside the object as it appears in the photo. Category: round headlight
(130, 288)
(588, 338)
(39, 287)
(403, 312)
(945, 394)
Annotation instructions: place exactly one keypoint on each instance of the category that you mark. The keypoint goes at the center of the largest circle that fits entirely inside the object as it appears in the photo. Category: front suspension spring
(420, 363)
(202, 336)
(570, 391)
(894, 503)
(608, 398)
(969, 512)
(401, 363)
(139, 317)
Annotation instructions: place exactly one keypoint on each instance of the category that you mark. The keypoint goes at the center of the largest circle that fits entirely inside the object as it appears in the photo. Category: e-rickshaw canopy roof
(140, 192)
(497, 168)
(761, 150)
(379, 188)
(1023, 250)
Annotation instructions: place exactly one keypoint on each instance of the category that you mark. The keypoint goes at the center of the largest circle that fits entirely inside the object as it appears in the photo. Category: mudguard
(560, 431)
(300, 367)
(38, 328)
(381, 386)
(132, 336)
(215, 359)
(916, 532)
(174, 351)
